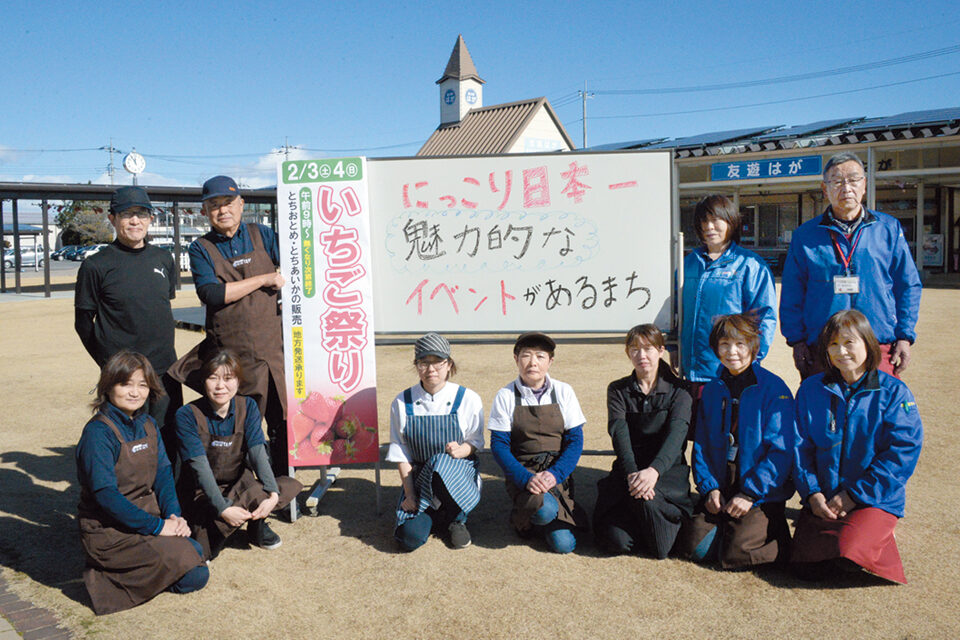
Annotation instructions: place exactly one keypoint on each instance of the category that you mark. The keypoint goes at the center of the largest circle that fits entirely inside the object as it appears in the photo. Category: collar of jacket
(725, 257)
(666, 380)
(825, 221)
(754, 367)
(832, 380)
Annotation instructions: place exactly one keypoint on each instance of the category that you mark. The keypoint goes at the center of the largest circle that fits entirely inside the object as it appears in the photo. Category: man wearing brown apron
(536, 436)
(235, 273)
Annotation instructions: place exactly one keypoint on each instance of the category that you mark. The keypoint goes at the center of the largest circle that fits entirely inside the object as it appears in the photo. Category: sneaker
(459, 536)
(261, 535)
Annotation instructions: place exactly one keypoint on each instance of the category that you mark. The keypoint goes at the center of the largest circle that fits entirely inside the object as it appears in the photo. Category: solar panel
(800, 130)
(716, 137)
(617, 146)
(911, 119)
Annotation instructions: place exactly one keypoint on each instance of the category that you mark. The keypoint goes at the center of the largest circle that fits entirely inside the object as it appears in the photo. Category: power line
(770, 102)
(792, 78)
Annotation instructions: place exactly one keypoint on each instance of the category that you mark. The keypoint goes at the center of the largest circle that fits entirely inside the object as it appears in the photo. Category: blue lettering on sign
(449, 97)
(769, 168)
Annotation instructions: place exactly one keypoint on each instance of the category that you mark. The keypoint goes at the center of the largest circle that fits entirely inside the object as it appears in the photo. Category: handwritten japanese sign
(767, 168)
(323, 218)
(555, 242)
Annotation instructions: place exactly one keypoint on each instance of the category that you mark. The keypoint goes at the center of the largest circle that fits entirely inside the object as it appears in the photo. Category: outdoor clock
(134, 163)
(450, 97)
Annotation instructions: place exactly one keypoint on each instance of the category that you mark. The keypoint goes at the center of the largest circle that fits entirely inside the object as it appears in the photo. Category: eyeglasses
(436, 366)
(839, 184)
(143, 214)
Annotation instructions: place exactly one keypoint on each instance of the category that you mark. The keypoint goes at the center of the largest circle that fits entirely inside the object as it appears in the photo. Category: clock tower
(461, 88)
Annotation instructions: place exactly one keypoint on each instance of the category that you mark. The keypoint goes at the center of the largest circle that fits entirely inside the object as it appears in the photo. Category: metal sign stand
(328, 476)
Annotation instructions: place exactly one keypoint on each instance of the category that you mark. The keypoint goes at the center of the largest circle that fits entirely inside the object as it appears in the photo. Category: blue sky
(206, 88)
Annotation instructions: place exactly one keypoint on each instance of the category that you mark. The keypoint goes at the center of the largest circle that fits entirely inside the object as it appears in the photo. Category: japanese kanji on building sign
(556, 242)
(324, 229)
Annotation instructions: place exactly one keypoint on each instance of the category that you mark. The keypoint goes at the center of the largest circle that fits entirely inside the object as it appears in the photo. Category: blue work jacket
(868, 445)
(739, 281)
(889, 282)
(765, 435)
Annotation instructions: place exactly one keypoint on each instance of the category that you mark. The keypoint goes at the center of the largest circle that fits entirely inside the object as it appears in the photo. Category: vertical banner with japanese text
(324, 229)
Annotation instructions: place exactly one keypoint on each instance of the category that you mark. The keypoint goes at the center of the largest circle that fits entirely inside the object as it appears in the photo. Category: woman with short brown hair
(858, 435)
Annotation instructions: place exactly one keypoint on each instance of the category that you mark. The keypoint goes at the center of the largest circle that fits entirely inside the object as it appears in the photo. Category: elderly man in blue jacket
(849, 258)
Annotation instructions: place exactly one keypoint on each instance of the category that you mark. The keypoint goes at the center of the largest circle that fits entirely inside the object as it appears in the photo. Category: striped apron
(426, 437)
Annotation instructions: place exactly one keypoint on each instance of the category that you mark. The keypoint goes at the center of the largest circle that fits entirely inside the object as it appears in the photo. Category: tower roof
(460, 66)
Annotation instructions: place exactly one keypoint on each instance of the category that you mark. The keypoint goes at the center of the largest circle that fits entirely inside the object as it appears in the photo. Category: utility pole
(286, 148)
(583, 97)
(109, 148)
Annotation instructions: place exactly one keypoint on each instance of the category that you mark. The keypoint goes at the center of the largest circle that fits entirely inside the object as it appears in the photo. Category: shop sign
(769, 168)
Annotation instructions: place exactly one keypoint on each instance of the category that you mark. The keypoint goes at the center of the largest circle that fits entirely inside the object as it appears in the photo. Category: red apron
(864, 536)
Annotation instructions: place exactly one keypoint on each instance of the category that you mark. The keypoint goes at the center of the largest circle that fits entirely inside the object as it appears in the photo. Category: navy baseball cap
(128, 197)
(220, 186)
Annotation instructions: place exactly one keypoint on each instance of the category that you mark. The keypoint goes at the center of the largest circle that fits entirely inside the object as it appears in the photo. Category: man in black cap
(122, 299)
(234, 269)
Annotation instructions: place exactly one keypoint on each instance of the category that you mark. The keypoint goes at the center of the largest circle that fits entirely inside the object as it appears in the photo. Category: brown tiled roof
(460, 66)
(488, 130)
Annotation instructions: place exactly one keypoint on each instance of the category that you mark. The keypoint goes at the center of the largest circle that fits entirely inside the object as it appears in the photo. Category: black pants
(276, 431)
(164, 411)
(640, 526)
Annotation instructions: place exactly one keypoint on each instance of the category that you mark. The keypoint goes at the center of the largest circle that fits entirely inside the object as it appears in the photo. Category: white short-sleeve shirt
(501, 413)
(469, 415)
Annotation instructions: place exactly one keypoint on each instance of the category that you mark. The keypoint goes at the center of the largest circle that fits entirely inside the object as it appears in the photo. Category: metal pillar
(16, 247)
(45, 208)
(871, 179)
(176, 243)
(918, 236)
(3, 269)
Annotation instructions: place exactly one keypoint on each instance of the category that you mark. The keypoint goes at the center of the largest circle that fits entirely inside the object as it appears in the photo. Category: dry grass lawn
(338, 575)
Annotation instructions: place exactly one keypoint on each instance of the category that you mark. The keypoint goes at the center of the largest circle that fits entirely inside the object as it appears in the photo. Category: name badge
(732, 453)
(846, 284)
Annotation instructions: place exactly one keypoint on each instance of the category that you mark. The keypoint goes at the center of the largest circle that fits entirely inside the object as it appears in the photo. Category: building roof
(460, 66)
(489, 130)
(903, 126)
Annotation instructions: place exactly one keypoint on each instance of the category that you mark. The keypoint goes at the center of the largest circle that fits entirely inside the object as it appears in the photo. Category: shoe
(459, 536)
(261, 535)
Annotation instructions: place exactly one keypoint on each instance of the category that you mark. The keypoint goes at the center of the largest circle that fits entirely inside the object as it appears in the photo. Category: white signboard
(554, 242)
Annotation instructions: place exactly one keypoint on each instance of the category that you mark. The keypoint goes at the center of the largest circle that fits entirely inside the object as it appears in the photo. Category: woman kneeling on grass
(645, 499)
(136, 543)
(858, 441)
(742, 455)
(536, 436)
(436, 428)
(222, 443)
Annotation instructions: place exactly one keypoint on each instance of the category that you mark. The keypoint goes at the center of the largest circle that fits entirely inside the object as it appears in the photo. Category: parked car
(28, 258)
(61, 254)
(89, 251)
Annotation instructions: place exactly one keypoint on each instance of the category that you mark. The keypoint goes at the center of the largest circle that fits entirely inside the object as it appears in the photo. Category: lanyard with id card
(846, 283)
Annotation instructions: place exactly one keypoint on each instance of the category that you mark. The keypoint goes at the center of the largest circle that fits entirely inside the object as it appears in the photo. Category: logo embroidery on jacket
(161, 271)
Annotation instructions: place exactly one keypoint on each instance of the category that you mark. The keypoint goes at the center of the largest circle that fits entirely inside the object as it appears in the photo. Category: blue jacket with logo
(868, 445)
(765, 435)
(889, 282)
(739, 281)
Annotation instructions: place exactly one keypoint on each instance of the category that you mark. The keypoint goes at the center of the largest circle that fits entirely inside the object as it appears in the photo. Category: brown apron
(234, 478)
(536, 435)
(759, 536)
(125, 569)
(251, 327)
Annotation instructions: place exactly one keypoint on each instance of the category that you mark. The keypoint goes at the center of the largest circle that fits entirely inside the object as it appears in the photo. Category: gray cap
(431, 344)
